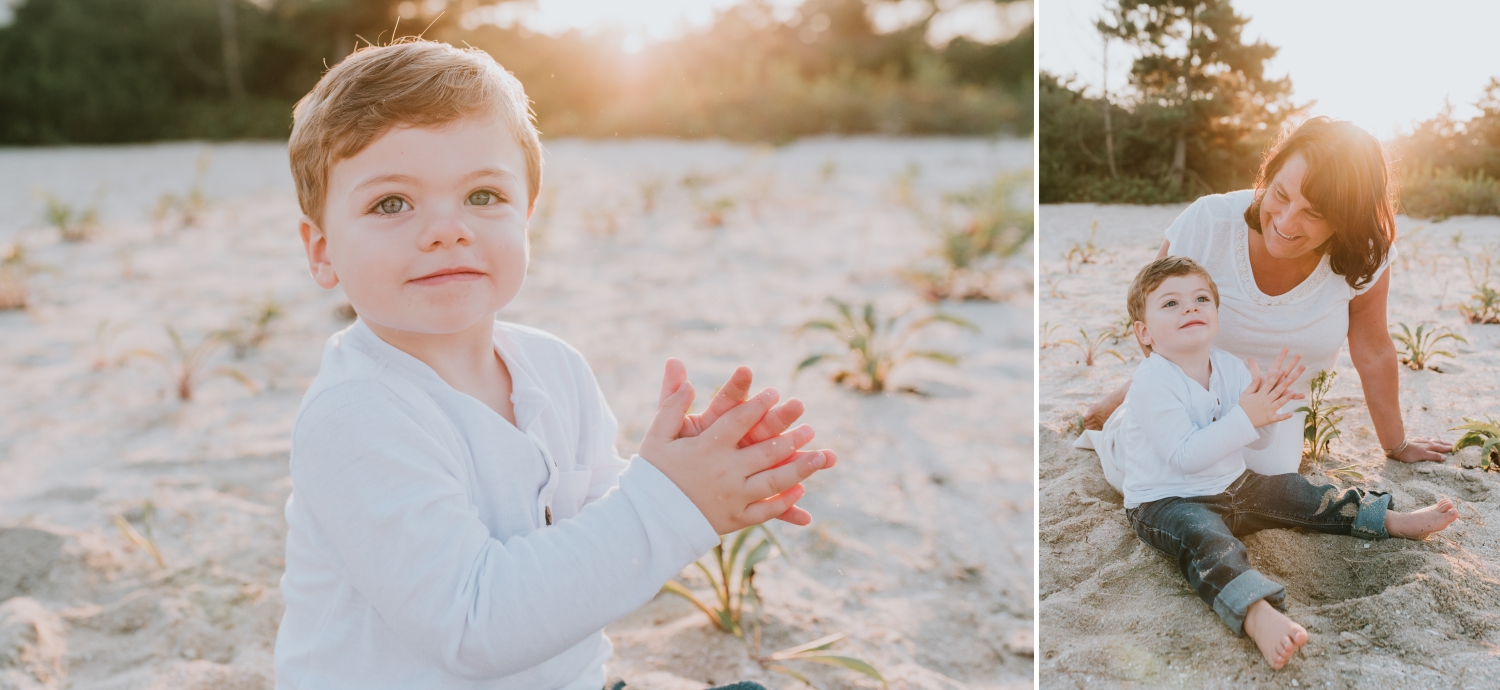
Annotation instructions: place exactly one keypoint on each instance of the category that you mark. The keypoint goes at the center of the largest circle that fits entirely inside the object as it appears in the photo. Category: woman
(1300, 262)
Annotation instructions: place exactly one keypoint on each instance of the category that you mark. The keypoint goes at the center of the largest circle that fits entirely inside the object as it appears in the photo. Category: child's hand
(734, 392)
(734, 486)
(1267, 394)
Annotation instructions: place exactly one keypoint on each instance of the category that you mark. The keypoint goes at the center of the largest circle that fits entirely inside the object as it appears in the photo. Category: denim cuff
(1369, 523)
(1246, 589)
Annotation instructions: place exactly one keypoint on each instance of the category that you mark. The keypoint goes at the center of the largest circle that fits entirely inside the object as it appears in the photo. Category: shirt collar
(526, 394)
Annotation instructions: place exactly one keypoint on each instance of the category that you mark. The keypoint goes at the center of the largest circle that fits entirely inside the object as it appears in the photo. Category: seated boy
(1190, 411)
(459, 517)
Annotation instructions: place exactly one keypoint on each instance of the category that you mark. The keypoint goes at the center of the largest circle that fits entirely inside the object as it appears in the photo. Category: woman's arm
(1099, 412)
(1374, 357)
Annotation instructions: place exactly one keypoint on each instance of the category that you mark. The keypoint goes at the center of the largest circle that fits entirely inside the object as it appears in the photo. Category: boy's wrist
(672, 503)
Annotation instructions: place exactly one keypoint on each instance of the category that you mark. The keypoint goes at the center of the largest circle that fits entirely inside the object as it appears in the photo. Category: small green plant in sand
(254, 327)
(1321, 426)
(1086, 252)
(1419, 346)
(695, 181)
(650, 194)
(145, 541)
(186, 365)
(1122, 328)
(906, 184)
(874, 345)
(731, 574)
(732, 578)
(1046, 335)
(1483, 306)
(711, 213)
(978, 231)
(829, 169)
(1077, 424)
(14, 270)
(73, 224)
(1053, 281)
(104, 336)
(1484, 435)
(601, 222)
(1092, 346)
(190, 205)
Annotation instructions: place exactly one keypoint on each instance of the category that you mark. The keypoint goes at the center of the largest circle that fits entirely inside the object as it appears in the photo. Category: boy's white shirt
(418, 554)
(1172, 437)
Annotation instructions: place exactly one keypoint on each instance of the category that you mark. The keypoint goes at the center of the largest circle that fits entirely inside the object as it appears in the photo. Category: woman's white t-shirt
(1311, 320)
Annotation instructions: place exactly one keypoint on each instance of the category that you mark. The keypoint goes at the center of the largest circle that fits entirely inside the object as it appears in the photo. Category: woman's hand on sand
(1267, 394)
(1425, 450)
(733, 461)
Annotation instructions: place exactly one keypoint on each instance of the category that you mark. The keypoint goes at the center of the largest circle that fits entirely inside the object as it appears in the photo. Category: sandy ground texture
(1115, 613)
(921, 552)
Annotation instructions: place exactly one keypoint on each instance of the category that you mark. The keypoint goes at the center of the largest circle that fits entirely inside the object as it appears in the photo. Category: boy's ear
(1141, 334)
(315, 243)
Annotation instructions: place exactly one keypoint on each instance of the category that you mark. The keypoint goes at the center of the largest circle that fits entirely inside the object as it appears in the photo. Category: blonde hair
(1156, 273)
(411, 82)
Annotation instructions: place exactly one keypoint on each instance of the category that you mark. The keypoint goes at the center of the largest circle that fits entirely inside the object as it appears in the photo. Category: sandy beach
(921, 548)
(1115, 613)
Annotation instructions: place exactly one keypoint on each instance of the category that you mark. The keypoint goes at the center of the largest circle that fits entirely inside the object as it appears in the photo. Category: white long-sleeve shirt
(1312, 319)
(1173, 437)
(419, 551)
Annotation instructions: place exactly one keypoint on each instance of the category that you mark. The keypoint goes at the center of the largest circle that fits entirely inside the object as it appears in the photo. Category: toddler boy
(459, 517)
(1190, 412)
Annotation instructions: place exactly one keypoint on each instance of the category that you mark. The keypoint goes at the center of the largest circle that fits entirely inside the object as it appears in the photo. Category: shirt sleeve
(382, 487)
(1182, 234)
(1173, 435)
(1390, 256)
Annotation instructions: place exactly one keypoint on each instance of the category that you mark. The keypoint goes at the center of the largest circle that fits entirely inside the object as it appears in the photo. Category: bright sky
(648, 20)
(1380, 63)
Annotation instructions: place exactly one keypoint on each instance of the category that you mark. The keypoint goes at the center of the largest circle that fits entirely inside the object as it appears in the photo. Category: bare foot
(1420, 523)
(1277, 636)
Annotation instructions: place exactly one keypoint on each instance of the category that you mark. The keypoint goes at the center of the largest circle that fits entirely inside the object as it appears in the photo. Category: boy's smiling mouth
(449, 275)
(1194, 322)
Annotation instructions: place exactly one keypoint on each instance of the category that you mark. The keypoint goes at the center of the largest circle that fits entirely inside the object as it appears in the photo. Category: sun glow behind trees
(1380, 63)
(642, 21)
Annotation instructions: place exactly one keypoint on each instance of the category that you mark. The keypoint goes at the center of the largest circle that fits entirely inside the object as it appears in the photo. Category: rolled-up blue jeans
(1202, 533)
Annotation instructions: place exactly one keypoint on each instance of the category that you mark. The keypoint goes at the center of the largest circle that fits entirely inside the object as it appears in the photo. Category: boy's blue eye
(1170, 303)
(391, 205)
(1202, 298)
(483, 197)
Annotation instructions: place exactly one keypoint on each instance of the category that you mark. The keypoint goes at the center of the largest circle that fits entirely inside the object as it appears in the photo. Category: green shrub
(1437, 194)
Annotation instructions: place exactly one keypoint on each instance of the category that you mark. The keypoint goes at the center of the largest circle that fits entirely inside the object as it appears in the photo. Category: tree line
(96, 71)
(1201, 112)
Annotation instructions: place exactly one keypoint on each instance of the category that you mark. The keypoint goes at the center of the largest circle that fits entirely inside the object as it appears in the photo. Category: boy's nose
(446, 229)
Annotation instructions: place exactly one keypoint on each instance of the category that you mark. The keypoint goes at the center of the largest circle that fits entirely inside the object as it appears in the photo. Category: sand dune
(1114, 613)
(921, 552)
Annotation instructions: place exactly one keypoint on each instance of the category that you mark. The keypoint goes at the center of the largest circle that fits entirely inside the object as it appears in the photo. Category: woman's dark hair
(1347, 182)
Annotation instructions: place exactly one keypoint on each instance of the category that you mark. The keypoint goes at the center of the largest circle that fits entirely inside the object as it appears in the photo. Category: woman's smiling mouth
(449, 275)
(1282, 235)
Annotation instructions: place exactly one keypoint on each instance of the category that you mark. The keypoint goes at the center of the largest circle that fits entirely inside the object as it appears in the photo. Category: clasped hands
(1267, 394)
(736, 461)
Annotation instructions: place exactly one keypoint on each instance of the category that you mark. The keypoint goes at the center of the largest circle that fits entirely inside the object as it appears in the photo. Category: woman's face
(1288, 222)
